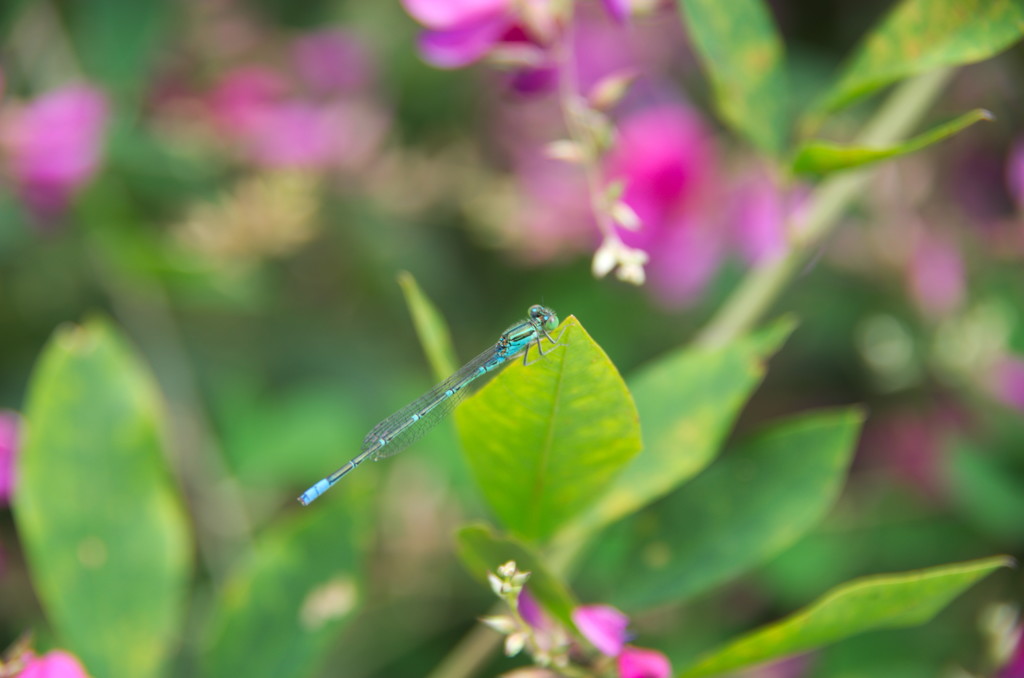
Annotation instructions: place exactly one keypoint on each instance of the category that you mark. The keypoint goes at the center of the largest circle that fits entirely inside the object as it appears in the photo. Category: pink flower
(531, 611)
(333, 62)
(239, 103)
(666, 157)
(9, 430)
(603, 626)
(295, 134)
(54, 145)
(1015, 666)
(460, 31)
(273, 127)
(636, 662)
(936, 276)
(760, 222)
(1007, 381)
(617, 9)
(55, 664)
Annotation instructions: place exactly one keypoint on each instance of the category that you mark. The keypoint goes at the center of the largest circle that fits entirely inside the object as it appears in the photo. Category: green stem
(756, 293)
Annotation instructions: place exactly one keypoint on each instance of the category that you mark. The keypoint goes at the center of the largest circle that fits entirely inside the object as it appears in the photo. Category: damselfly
(408, 424)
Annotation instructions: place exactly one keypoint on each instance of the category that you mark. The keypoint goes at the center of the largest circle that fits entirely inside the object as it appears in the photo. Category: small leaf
(596, 128)
(543, 440)
(481, 551)
(885, 601)
(625, 216)
(610, 89)
(741, 51)
(102, 525)
(823, 157)
(687, 401)
(566, 151)
(748, 507)
(430, 327)
(919, 36)
(297, 586)
(613, 191)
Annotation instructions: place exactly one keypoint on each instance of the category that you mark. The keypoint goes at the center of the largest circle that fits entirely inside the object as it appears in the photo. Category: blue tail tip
(307, 497)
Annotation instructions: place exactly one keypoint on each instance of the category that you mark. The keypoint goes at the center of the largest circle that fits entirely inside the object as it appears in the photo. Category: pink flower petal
(54, 145)
(636, 662)
(295, 134)
(9, 425)
(333, 61)
(617, 9)
(1008, 381)
(664, 155)
(936, 276)
(462, 45)
(760, 220)
(240, 101)
(602, 625)
(1015, 667)
(446, 14)
(684, 257)
(533, 80)
(56, 664)
(531, 611)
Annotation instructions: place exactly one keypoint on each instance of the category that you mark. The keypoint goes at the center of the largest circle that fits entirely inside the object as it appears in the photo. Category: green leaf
(482, 551)
(688, 401)
(769, 339)
(105, 535)
(430, 327)
(543, 440)
(748, 507)
(285, 603)
(818, 157)
(885, 601)
(741, 51)
(924, 35)
(118, 41)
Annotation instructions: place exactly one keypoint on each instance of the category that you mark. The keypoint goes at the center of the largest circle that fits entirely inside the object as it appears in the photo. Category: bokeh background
(239, 184)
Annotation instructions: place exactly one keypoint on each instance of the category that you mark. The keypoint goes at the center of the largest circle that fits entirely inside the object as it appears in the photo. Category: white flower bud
(503, 624)
(605, 258)
(497, 585)
(514, 644)
(519, 579)
(626, 216)
(610, 89)
(566, 151)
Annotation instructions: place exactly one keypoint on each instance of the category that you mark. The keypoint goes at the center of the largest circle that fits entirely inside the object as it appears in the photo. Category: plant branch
(753, 298)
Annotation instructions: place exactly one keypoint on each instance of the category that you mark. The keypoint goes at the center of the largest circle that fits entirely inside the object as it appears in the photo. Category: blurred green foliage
(708, 489)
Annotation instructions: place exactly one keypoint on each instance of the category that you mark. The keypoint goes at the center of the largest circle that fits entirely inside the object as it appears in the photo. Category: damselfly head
(543, 316)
